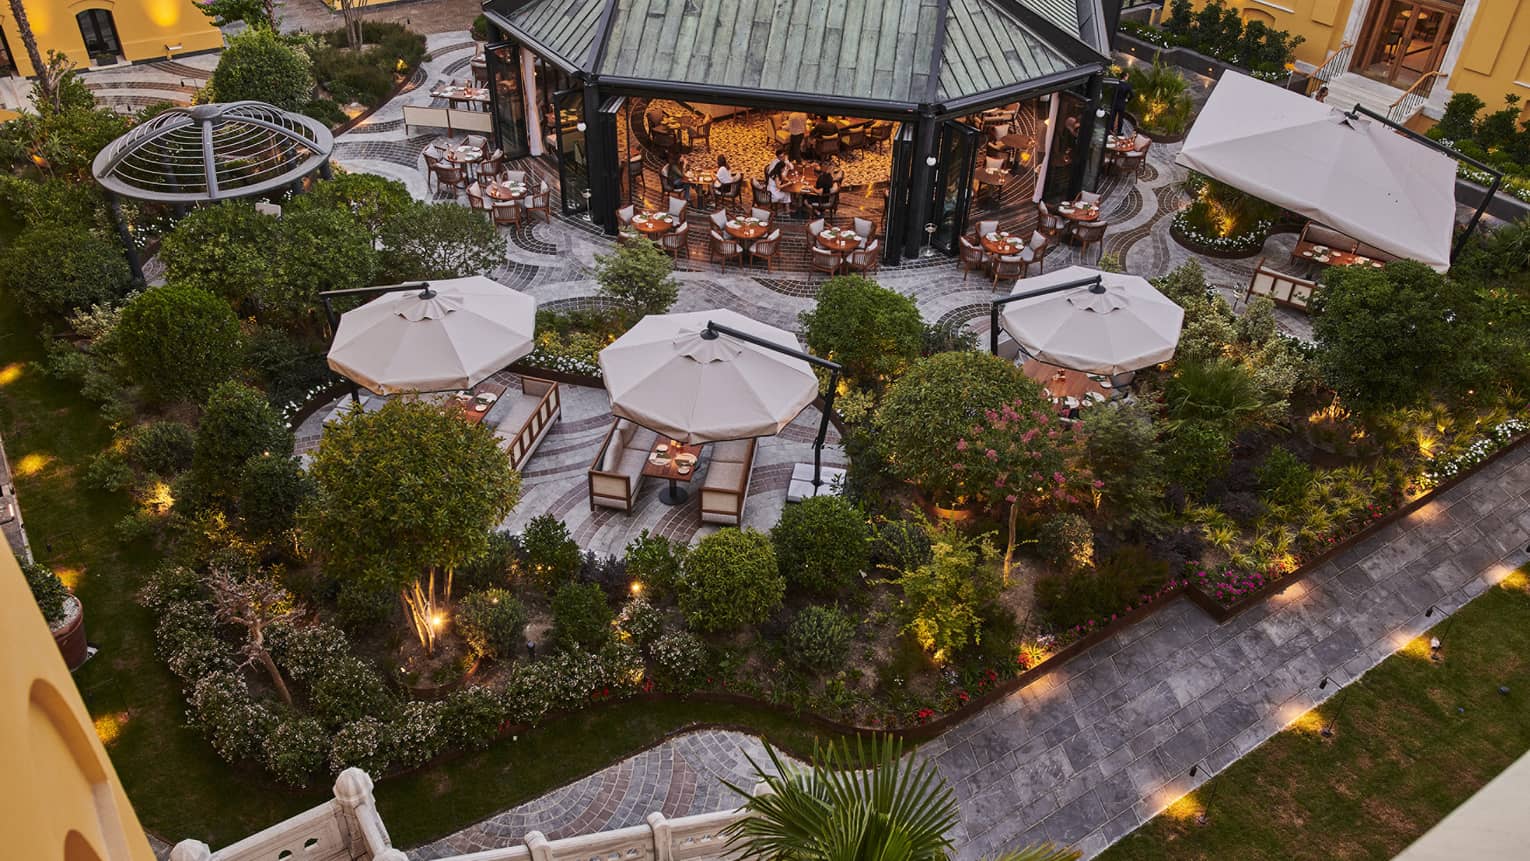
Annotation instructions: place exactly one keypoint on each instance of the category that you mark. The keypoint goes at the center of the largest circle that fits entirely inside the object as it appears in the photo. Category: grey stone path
(1093, 750)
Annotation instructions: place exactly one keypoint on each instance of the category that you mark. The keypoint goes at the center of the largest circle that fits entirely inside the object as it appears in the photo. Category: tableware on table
(663, 446)
(481, 408)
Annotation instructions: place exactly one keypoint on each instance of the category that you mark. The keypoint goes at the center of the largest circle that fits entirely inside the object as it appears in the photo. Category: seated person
(724, 175)
(674, 177)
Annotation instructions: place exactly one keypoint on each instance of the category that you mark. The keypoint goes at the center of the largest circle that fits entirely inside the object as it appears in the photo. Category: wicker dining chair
(517, 176)
(733, 191)
(507, 212)
(867, 258)
(826, 147)
(722, 248)
(719, 219)
(677, 241)
(1053, 226)
(1007, 266)
(812, 229)
(766, 247)
(865, 227)
(449, 175)
(971, 256)
(492, 163)
(625, 215)
(825, 260)
(764, 216)
(678, 206)
(476, 199)
(1087, 234)
(636, 178)
(760, 193)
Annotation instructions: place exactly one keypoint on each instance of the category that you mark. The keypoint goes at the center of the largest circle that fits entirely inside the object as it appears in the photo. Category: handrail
(1333, 66)
(1413, 98)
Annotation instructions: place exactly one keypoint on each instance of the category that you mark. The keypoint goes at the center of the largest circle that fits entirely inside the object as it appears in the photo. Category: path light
(1503, 690)
(637, 587)
(436, 620)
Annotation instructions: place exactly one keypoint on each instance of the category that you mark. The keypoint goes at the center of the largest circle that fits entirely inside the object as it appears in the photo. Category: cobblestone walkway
(1093, 750)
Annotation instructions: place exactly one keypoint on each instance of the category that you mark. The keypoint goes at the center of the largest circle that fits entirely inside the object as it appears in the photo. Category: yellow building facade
(60, 799)
(1477, 46)
(97, 32)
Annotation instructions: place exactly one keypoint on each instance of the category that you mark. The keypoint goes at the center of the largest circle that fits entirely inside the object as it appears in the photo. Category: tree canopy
(178, 342)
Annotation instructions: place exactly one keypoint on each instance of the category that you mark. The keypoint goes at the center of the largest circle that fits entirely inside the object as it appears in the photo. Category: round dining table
(1123, 144)
(506, 190)
(653, 223)
(1002, 244)
(839, 240)
(1078, 212)
(746, 229)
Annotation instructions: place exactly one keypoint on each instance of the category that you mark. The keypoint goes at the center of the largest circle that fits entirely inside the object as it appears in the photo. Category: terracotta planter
(70, 637)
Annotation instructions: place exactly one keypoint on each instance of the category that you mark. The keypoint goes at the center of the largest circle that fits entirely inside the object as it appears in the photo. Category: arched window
(100, 34)
(1259, 15)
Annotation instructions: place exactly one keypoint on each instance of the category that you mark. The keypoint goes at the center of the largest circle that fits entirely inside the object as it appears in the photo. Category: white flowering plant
(1446, 466)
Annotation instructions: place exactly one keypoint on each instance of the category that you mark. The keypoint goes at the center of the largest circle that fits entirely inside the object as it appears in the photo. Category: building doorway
(100, 34)
(1406, 40)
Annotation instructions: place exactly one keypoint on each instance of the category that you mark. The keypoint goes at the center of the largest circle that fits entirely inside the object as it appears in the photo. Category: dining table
(1323, 255)
(471, 95)
(1121, 144)
(1069, 389)
(473, 405)
(1079, 210)
(1002, 243)
(674, 462)
(653, 223)
(506, 190)
(840, 240)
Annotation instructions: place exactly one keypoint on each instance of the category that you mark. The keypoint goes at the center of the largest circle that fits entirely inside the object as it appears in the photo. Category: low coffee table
(669, 469)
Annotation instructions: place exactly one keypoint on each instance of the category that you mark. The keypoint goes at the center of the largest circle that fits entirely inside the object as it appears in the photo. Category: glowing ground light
(11, 373)
(69, 576)
(32, 464)
(109, 727)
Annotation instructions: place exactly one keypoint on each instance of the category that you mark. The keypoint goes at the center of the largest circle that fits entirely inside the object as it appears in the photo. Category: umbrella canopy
(666, 375)
(445, 335)
(1120, 325)
(1355, 175)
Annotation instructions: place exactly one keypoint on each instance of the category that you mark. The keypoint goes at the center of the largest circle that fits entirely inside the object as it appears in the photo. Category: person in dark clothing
(1122, 97)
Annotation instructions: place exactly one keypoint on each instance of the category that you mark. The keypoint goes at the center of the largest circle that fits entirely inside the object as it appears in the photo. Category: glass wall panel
(509, 100)
(957, 148)
(572, 151)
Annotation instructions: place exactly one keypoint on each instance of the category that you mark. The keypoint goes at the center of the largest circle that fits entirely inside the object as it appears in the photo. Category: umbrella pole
(334, 325)
(823, 429)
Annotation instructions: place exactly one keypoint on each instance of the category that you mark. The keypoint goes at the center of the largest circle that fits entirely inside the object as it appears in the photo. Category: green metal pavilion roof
(903, 51)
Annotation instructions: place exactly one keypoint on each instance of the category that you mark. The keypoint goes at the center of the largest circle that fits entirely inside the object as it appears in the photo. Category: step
(1350, 89)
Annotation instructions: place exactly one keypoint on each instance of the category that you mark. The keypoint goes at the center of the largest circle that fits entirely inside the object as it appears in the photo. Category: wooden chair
(986, 227)
(765, 248)
(1089, 197)
(1035, 253)
(448, 175)
(1319, 234)
(971, 256)
(879, 134)
(865, 227)
(723, 248)
(507, 212)
(677, 241)
(826, 147)
(867, 258)
(625, 215)
(812, 229)
(1133, 162)
(731, 191)
(539, 201)
(636, 178)
(1052, 226)
(517, 176)
(825, 260)
(677, 207)
(763, 215)
(1007, 266)
(492, 164)
(476, 199)
(1087, 234)
(1285, 290)
(760, 193)
(719, 220)
(701, 136)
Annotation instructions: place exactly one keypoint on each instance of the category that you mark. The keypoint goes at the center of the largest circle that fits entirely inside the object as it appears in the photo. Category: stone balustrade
(349, 828)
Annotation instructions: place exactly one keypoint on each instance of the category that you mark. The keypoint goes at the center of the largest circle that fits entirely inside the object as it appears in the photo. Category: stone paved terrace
(1089, 752)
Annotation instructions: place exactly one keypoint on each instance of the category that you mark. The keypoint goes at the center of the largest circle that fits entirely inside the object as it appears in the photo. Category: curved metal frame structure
(208, 153)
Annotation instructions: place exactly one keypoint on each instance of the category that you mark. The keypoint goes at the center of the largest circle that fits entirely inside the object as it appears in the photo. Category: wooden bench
(1285, 290)
(616, 476)
(726, 486)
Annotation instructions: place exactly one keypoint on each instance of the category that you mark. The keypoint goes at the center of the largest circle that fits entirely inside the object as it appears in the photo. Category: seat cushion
(723, 475)
(631, 462)
(733, 451)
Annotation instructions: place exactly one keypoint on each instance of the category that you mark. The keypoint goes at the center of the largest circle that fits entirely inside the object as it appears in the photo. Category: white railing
(350, 829)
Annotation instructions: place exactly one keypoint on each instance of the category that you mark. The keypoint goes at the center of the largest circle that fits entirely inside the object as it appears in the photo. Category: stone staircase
(1350, 89)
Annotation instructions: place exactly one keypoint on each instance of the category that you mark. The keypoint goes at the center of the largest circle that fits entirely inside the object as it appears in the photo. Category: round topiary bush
(492, 623)
(819, 638)
(53, 270)
(1066, 540)
(730, 581)
(581, 617)
(258, 64)
(940, 399)
(821, 545)
(162, 448)
(295, 750)
(552, 557)
(178, 342)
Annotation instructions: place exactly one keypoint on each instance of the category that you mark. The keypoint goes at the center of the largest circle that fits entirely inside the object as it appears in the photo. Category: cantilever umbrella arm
(997, 305)
(715, 329)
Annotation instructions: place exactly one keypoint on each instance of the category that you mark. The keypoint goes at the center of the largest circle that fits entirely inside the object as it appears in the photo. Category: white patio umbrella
(440, 335)
(1118, 324)
(667, 375)
(1355, 175)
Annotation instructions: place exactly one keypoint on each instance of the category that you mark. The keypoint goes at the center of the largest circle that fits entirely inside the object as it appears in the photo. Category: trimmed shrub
(427, 242)
(552, 557)
(1066, 540)
(679, 662)
(638, 275)
(471, 716)
(655, 562)
(492, 623)
(361, 743)
(108, 472)
(639, 622)
(178, 342)
(821, 545)
(53, 270)
(237, 424)
(819, 638)
(236, 725)
(163, 448)
(271, 490)
(295, 749)
(900, 545)
(258, 64)
(872, 331)
(226, 249)
(1283, 477)
(47, 590)
(415, 735)
(1196, 453)
(730, 581)
(581, 617)
(347, 690)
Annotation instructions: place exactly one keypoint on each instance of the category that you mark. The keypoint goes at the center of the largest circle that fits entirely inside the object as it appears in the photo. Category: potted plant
(63, 611)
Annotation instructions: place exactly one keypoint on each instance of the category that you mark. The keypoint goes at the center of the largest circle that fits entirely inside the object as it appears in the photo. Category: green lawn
(179, 787)
(1413, 741)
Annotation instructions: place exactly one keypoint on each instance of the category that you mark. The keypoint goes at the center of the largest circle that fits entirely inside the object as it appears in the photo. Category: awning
(1355, 175)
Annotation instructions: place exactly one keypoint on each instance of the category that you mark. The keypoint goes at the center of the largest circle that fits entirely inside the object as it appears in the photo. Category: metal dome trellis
(207, 153)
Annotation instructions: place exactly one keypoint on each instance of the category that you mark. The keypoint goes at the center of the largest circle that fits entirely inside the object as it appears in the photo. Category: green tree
(1122, 450)
(373, 199)
(872, 331)
(730, 581)
(319, 249)
(581, 617)
(67, 130)
(225, 248)
(638, 275)
(822, 545)
(54, 270)
(1396, 336)
(927, 409)
(863, 803)
(492, 622)
(260, 65)
(238, 424)
(178, 342)
(942, 598)
(405, 495)
(440, 240)
(272, 488)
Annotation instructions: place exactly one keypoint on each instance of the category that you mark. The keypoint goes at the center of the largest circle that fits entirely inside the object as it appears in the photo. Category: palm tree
(29, 41)
(874, 805)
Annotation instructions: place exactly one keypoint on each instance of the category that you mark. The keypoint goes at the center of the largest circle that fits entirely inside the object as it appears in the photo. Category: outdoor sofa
(616, 476)
(1285, 290)
(726, 486)
(522, 421)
